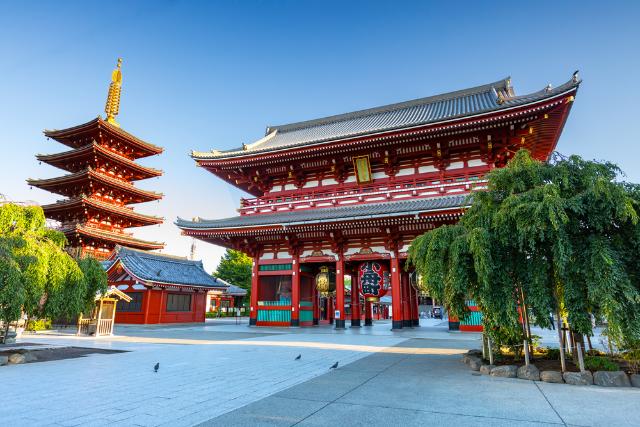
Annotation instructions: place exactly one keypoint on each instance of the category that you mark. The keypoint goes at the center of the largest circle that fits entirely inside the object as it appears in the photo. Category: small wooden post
(484, 346)
(490, 351)
(79, 324)
(526, 353)
(580, 359)
(98, 319)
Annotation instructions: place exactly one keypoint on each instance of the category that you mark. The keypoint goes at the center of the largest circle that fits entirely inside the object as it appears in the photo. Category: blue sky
(202, 75)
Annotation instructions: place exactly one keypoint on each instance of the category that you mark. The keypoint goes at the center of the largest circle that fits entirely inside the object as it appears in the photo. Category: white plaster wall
(476, 162)
(425, 169)
(405, 171)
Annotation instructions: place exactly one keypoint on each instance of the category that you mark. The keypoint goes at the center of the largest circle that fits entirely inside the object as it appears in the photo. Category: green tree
(235, 268)
(558, 236)
(45, 281)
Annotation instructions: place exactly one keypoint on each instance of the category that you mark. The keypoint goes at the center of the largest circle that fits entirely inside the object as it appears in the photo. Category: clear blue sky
(202, 75)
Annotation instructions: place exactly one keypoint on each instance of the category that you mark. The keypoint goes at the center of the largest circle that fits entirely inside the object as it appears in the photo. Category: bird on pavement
(299, 357)
(334, 366)
(156, 367)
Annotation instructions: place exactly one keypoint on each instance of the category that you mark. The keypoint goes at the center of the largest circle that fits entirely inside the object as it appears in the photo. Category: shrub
(632, 357)
(210, 314)
(599, 363)
(38, 325)
(552, 353)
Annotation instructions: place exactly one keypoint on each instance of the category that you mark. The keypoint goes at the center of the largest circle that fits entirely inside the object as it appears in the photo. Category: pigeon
(299, 357)
(334, 366)
(156, 367)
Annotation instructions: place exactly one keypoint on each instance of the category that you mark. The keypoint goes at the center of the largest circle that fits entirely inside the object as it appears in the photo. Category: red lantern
(373, 277)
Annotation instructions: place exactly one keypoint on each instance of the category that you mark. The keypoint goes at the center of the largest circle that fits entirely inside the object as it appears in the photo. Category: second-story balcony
(322, 198)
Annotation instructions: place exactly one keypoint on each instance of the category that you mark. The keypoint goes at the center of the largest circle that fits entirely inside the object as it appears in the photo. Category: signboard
(363, 169)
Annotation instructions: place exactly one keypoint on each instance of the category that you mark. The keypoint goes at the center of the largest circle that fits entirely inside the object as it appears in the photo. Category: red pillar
(295, 292)
(162, 304)
(406, 300)
(416, 308)
(396, 292)
(339, 309)
(316, 306)
(355, 301)
(330, 309)
(253, 310)
(368, 321)
(147, 297)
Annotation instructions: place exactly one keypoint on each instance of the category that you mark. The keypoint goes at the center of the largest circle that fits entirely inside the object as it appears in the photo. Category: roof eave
(235, 155)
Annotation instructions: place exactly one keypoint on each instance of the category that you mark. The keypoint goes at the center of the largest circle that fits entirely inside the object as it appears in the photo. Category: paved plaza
(223, 373)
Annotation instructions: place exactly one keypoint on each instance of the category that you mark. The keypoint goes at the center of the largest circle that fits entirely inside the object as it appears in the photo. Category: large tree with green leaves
(235, 268)
(559, 236)
(36, 275)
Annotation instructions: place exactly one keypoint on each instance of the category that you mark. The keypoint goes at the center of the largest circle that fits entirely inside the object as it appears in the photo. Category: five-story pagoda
(99, 186)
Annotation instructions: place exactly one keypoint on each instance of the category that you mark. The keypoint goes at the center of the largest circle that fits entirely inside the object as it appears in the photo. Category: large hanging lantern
(374, 280)
(415, 280)
(325, 281)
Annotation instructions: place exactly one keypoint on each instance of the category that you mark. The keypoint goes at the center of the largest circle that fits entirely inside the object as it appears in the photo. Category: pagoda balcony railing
(363, 194)
(100, 227)
(104, 200)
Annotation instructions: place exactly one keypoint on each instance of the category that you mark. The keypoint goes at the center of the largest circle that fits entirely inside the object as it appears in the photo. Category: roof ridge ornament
(576, 77)
(112, 107)
(498, 95)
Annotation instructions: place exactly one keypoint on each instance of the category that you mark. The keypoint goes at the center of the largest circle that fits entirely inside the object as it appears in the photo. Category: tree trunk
(563, 363)
(6, 331)
(525, 320)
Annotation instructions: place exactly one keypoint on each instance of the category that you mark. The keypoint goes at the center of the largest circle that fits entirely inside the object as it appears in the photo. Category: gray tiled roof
(233, 289)
(342, 213)
(155, 267)
(468, 102)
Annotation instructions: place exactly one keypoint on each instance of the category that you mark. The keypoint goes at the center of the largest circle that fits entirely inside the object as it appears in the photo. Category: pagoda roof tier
(103, 131)
(87, 156)
(84, 182)
(309, 217)
(77, 206)
(86, 233)
(449, 108)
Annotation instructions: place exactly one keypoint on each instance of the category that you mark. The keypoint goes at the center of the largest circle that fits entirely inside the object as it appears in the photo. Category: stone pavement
(221, 373)
(198, 379)
(416, 390)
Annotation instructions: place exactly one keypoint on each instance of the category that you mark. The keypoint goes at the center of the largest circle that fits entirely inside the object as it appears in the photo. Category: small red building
(163, 288)
(223, 300)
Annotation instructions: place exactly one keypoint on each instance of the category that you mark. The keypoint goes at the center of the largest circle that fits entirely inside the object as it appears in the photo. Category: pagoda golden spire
(112, 107)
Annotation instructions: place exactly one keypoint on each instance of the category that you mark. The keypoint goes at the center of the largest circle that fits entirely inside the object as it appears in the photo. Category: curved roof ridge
(94, 144)
(62, 133)
(497, 85)
(335, 213)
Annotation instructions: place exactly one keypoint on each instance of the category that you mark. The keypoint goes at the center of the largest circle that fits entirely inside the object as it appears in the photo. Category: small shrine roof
(334, 214)
(166, 269)
(233, 290)
(488, 98)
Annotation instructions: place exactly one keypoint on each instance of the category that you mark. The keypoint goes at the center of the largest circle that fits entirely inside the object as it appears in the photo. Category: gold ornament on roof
(112, 107)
